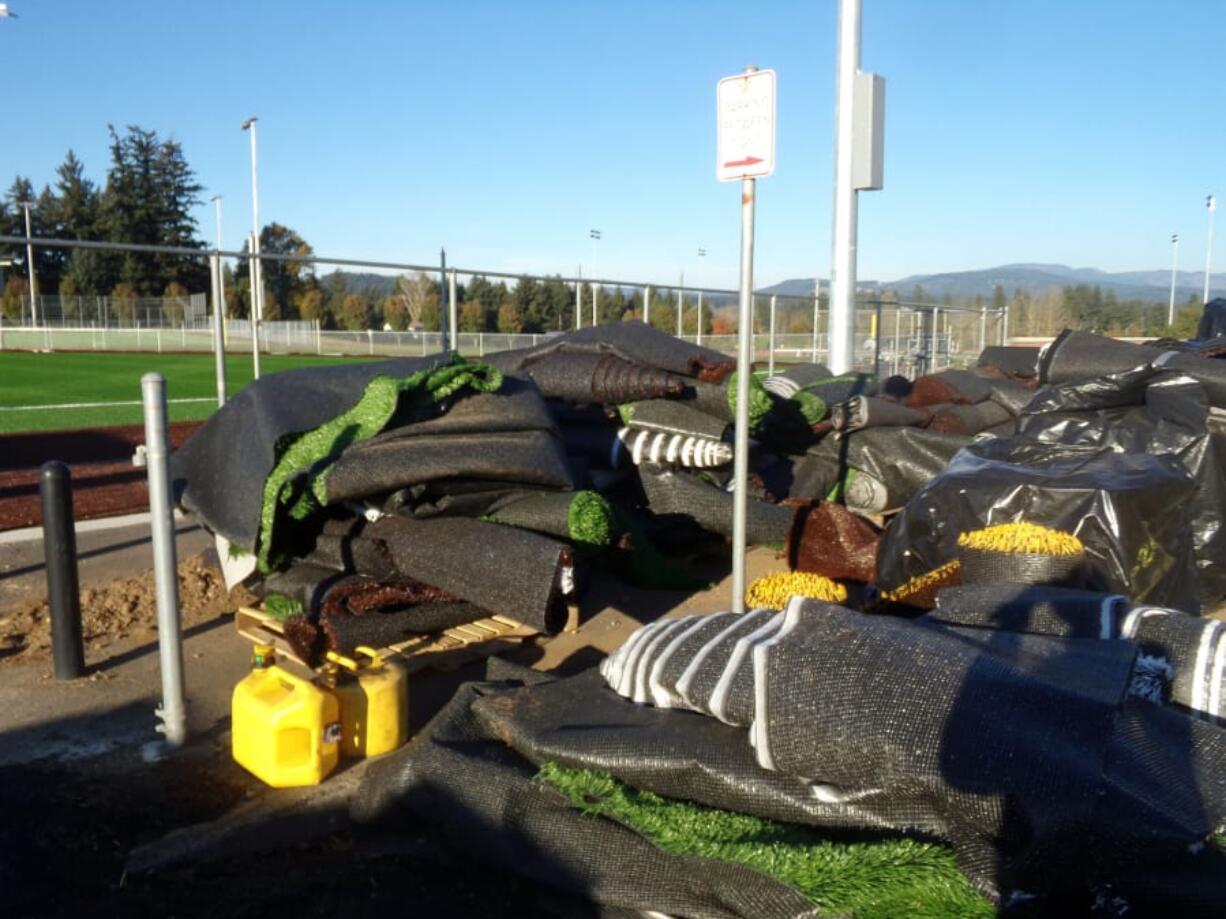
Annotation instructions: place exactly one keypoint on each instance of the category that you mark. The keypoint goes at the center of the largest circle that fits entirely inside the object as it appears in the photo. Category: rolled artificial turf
(291, 497)
(882, 879)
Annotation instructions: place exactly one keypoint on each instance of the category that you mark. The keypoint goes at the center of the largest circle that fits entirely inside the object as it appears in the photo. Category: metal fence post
(578, 305)
(318, 341)
(219, 348)
(983, 328)
(256, 286)
(453, 309)
(936, 322)
(680, 310)
(647, 304)
(1004, 329)
(877, 339)
(60, 560)
(897, 335)
(173, 710)
(698, 326)
(771, 358)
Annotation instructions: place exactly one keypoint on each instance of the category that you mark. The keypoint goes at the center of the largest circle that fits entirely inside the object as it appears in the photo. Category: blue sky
(1083, 132)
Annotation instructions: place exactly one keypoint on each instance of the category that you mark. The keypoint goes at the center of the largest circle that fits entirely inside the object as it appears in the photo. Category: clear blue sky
(1075, 131)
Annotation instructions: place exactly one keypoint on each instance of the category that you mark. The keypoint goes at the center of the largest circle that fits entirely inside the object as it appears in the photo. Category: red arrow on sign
(748, 161)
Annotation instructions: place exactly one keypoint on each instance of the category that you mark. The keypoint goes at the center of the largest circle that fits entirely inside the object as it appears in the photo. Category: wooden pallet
(444, 650)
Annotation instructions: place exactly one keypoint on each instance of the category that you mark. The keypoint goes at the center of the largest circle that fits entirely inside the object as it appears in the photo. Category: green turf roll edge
(882, 879)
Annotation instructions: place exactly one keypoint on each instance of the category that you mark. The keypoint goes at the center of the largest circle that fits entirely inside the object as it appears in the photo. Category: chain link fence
(889, 336)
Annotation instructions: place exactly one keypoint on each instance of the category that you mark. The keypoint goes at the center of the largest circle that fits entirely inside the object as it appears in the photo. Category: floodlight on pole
(1170, 310)
(32, 277)
(256, 273)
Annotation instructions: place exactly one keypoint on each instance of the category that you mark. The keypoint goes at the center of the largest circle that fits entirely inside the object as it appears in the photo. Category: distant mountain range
(1034, 278)
(1031, 277)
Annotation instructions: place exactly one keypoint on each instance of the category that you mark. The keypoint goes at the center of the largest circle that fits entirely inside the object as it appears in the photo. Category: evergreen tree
(150, 192)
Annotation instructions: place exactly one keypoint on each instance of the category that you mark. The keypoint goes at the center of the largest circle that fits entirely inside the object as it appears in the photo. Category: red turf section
(104, 481)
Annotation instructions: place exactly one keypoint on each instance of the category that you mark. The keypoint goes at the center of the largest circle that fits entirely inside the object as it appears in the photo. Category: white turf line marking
(42, 408)
(96, 525)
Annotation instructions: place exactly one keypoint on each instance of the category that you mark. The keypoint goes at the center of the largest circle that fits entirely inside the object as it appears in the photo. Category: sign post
(745, 150)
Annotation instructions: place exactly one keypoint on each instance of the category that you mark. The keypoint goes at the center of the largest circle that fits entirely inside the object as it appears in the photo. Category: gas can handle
(376, 659)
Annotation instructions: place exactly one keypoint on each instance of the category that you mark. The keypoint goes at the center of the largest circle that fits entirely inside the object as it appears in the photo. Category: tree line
(147, 197)
(149, 191)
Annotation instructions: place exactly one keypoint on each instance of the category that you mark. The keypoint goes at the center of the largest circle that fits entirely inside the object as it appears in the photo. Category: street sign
(745, 119)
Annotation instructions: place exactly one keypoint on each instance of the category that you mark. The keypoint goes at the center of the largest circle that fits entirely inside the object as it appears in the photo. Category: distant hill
(1034, 278)
(361, 281)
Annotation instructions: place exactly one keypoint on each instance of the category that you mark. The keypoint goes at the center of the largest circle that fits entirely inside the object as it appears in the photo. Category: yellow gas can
(285, 729)
(374, 701)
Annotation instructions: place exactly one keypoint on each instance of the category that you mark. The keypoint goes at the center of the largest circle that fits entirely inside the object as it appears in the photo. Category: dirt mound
(121, 609)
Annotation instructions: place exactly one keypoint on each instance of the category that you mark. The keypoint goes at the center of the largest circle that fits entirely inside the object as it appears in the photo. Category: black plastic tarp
(1129, 510)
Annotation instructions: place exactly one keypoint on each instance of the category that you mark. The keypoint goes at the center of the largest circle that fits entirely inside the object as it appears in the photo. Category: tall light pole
(1170, 310)
(594, 235)
(221, 278)
(859, 126)
(1212, 206)
(32, 277)
(256, 273)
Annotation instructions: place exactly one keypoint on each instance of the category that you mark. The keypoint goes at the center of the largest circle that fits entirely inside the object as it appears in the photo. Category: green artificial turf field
(28, 379)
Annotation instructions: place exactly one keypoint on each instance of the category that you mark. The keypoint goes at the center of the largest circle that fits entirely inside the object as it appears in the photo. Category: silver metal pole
(983, 328)
(744, 367)
(1170, 310)
(817, 306)
(1209, 202)
(595, 303)
(256, 273)
(936, 322)
(173, 711)
(453, 312)
(647, 304)
(1004, 330)
(221, 275)
(579, 303)
(771, 358)
(257, 283)
(698, 328)
(897, 335)
(680, 310)
(219, 348)
(843, 256)
(33, 278)
(877, 339)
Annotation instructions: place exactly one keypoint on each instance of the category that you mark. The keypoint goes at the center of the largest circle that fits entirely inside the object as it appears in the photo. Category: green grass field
(28, 379)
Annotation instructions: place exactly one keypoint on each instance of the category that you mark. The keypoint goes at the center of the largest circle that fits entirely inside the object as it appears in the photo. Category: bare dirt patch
(124, 608)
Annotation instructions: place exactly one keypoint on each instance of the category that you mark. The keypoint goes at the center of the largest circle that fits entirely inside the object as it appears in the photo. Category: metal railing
(890, 336)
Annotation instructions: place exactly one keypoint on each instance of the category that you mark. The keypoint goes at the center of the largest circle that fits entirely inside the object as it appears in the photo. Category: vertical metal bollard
(60, 558)
(173, 710)
(647, 304)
